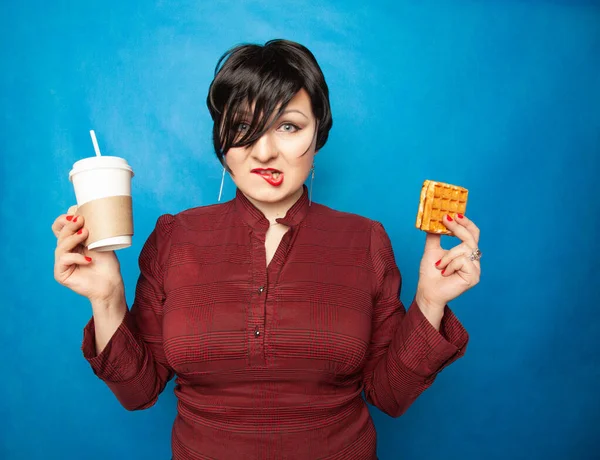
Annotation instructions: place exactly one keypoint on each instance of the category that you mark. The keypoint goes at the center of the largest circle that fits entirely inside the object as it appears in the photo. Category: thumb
(72, 210)
(432, 241)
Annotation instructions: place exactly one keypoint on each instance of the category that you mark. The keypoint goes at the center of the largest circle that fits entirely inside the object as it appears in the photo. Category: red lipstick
(272, 176)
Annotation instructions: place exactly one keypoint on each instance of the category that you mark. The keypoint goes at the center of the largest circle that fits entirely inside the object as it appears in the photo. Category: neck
(278, 209)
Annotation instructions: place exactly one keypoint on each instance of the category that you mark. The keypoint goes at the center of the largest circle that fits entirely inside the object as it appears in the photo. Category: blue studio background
(501, 96)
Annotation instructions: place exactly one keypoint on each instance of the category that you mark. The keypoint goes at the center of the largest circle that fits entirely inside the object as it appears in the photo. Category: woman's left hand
(446, 274)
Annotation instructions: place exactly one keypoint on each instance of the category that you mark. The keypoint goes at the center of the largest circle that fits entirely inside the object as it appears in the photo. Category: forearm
(121, 358)
(433, 313)
(108, 316)
(416, 354)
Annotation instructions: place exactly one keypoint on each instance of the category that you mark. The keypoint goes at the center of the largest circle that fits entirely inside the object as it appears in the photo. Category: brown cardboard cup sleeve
(107, 217)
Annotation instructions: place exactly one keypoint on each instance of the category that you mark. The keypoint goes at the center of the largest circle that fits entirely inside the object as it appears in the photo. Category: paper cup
(103, 191)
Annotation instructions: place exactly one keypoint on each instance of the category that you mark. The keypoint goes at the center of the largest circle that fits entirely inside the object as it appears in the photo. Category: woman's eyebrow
(247, 114)
(295, 110)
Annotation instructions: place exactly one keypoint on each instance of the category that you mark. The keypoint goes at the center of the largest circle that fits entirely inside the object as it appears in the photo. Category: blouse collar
(257, 220)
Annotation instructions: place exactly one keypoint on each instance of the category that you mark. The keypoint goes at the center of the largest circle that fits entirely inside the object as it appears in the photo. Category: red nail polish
(89, 259)
(438, 262)
(80, 231)
(69, 218)
(449, 218)
(460, 216)
(443, 271)
(75, 220)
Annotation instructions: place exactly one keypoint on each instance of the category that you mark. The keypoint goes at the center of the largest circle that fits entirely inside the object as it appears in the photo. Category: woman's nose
(264, 148)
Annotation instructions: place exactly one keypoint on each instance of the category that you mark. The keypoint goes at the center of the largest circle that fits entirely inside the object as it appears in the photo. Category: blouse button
(261, 289)
(256, 331)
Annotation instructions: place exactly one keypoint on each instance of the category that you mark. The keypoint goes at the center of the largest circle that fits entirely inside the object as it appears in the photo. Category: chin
(270, 194)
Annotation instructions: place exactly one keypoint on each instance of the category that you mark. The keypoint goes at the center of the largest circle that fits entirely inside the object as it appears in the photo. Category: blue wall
(502, 97)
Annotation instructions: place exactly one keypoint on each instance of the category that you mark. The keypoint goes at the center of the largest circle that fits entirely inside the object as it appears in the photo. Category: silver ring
(475, 255)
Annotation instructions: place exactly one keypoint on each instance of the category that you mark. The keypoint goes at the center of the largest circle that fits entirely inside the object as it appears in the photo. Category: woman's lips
(273, 177)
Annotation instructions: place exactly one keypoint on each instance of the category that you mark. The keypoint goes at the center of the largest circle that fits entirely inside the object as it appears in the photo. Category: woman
(275, 313)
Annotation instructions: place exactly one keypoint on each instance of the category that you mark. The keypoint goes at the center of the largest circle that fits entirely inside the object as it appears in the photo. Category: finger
(70, 228)
(58, 224)
(469, 225)
(459, 231)
(69, 243)
(457, 251)
(465, 268)
(66, 263)
(432, 241)
(63, 220)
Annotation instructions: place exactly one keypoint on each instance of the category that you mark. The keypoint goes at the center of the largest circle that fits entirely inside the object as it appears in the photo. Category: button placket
(262, 301)
(257, 303)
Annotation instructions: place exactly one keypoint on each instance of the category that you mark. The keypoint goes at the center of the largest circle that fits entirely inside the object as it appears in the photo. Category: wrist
(427, 304)
(110, 303)
(109, 313)
(433, 311)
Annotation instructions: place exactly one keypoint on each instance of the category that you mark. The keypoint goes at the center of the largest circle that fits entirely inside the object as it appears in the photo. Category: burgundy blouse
(271, 361)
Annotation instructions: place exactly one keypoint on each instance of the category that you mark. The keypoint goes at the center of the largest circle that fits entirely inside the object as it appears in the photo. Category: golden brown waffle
(437, 200)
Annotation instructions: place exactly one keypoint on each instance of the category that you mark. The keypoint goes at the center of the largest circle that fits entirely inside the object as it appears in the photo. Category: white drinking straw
(95, 142)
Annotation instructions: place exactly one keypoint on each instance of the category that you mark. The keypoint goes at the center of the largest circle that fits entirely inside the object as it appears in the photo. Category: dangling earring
(222, 181)
(312, 179)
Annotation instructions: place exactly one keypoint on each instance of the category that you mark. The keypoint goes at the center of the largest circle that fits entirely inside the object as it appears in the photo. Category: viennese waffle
(437, 200)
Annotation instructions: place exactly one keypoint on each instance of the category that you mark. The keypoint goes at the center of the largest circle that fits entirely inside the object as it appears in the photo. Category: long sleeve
(133, 363)
(406, 351)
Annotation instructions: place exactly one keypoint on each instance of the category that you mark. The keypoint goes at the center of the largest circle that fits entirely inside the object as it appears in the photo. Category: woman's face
(275, 167)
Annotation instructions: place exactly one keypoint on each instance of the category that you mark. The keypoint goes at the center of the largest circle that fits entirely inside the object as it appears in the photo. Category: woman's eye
(289, 128)
(243, 127)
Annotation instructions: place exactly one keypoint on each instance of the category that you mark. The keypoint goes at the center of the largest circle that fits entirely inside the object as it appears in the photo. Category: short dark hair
(267, 76)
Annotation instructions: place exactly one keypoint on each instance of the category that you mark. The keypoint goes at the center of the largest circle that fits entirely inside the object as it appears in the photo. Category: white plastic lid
(99, 162)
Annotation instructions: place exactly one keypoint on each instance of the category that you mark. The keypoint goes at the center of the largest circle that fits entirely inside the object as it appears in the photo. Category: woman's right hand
(95, 275)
